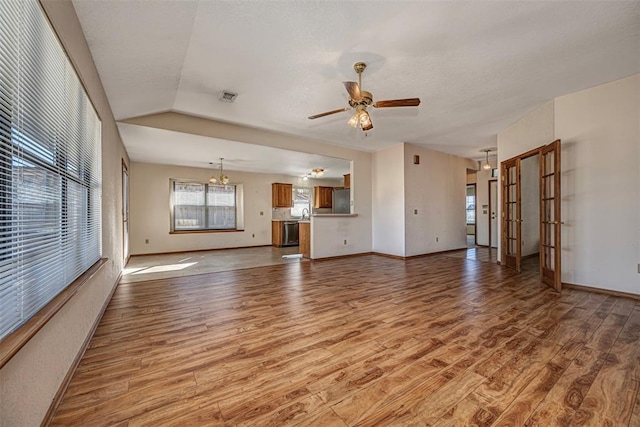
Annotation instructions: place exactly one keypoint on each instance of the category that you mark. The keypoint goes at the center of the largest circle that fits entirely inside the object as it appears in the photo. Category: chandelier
(221, 178)
(316, 172)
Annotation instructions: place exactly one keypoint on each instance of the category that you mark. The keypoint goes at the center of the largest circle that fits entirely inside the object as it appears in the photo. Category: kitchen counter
(334, 215)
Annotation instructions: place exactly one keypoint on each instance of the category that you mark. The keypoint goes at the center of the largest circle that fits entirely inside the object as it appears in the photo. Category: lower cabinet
(304, 231)
(276, 233)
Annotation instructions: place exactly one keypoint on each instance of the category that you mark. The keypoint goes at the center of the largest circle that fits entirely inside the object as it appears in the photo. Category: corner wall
(30, 380)
(388, 201)
(435, 195)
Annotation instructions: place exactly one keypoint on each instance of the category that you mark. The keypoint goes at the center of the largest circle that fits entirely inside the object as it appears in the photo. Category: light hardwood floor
(373, 341)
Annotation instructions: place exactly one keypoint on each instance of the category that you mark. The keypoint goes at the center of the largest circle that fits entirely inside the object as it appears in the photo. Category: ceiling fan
(361, 99)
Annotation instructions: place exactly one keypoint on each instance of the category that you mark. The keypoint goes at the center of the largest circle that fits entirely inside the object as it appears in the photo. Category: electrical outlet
(253, 235)
(638, 268)
(415, 211)
(345, 241)
(261, 213)
(436, 240)
(146, 241)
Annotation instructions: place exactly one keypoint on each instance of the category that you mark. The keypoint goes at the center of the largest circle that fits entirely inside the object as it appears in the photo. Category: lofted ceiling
(477, 66)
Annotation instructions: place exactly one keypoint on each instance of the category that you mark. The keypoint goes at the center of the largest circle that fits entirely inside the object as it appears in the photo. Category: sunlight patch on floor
(158, 268)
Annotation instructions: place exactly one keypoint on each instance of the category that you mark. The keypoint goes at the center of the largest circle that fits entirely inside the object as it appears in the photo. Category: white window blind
(200, 206)
(50, 167)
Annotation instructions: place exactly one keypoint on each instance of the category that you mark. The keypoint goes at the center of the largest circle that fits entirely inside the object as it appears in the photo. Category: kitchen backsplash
(281, 213)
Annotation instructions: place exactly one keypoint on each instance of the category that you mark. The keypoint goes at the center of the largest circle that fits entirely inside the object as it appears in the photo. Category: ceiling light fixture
(221, 179)
(316, 172)
(486, 165)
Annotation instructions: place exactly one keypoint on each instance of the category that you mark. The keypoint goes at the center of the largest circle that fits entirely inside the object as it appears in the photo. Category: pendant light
(486, 166)
(221, 178)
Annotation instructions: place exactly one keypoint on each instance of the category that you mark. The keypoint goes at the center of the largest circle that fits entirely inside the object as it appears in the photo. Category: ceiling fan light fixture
(354, 120)
(316, 172)
(361, 99)
(365, 120)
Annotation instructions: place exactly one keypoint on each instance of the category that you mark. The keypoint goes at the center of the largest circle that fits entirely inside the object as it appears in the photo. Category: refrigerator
(342, 201)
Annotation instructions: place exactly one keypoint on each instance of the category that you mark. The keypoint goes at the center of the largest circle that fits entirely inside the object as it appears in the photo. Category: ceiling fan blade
(354, 90)
(339, 110)
(409, 102)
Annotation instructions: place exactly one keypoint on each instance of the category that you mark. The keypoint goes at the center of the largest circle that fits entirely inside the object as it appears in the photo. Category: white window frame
(239, 208)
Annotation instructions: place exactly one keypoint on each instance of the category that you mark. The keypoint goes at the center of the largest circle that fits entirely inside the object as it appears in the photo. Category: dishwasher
(290, 233)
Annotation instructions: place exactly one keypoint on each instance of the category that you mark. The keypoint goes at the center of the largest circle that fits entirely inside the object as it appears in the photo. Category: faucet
(305, 213)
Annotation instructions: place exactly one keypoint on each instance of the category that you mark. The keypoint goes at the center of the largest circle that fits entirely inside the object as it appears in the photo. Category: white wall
(530, 197)
(30, 380)
(436, 189)
(388, 201)
(600, 133)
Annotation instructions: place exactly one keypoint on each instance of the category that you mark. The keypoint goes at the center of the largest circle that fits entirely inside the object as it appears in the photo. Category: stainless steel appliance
(342, 201)
(289, 233)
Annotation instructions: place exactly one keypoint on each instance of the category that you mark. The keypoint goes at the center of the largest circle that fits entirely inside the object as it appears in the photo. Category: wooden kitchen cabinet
(281, 195)
(322, 197)
(276, 233)
(347, 180)
(304, 235)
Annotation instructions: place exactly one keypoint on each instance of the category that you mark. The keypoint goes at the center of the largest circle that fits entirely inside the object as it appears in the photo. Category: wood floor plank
(565, 397)
(450, 340)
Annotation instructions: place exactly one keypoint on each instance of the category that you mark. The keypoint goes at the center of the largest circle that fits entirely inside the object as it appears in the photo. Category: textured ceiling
(477, 66)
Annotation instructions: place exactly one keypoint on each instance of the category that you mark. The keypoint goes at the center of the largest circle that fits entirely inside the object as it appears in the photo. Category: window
(50, 167)
(204, 206)
(471, 204)
(301, 201)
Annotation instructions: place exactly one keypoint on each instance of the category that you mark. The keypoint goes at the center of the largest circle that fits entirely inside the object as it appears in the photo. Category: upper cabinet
(322, 197)
(281, 195)
(347, 181)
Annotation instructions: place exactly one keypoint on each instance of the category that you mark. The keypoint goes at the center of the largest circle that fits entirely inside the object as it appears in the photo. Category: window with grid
(204, 206)
(301, 201)
(50, 167)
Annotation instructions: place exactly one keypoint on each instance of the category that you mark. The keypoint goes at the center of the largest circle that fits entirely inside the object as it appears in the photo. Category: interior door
(550, 249)
(511, 215)
(493, 210)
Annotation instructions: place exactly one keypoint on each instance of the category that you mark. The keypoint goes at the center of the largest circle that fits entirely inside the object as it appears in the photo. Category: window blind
(203, 206)
(50, 167)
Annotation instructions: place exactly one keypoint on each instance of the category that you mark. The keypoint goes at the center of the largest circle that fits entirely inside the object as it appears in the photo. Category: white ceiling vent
(227, 96)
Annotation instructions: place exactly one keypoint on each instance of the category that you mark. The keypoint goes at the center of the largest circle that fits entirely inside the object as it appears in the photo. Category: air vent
(227, 96)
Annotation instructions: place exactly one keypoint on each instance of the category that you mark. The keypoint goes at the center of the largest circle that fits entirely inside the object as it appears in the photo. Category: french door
(511, 214)
(550, 249)
(549, 184)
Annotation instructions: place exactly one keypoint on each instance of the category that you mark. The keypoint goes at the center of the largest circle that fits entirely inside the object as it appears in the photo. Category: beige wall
(361, 178)
(388, 201)
(29, 381)
(436, 189)
(150, 199)
(600, 133)
(482, 198)
(531, 131)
